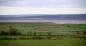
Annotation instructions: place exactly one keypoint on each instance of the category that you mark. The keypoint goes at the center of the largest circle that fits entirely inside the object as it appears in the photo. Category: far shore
(53, 21)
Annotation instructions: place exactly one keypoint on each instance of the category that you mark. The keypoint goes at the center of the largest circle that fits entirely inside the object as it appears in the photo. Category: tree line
(14, 31)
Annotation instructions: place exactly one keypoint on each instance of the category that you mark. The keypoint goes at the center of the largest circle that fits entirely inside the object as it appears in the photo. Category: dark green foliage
(34, 33)
(49, 34)
(84, 32)
(3, 32)
(29, 33)
(12, 30)
(42, 29)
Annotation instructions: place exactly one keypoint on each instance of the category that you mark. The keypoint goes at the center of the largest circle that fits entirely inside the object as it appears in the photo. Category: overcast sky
(57, 3)
(8, 7)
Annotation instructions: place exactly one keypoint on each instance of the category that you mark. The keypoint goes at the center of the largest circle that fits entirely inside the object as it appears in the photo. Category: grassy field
(59, 42)
(43, 26)
(59, 29)
(27, 28)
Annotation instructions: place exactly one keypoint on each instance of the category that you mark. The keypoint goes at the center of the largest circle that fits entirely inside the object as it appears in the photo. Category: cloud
(57, 3)
(40, 10)
(8, 7)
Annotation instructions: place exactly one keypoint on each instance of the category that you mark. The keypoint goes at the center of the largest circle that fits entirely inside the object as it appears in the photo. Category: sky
(13, 7)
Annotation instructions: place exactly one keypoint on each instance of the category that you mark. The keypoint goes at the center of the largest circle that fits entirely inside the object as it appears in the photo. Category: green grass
(43, 27)
(58, 42)
(27, 28)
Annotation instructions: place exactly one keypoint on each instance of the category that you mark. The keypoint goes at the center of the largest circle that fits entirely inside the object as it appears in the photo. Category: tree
(49, 33)
(34, 33)
(84, 32)
(77, 32)
(30, 33)
(3, 32)
(12, 30)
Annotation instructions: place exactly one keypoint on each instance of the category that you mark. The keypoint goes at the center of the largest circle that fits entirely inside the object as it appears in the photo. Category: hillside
(42, 26)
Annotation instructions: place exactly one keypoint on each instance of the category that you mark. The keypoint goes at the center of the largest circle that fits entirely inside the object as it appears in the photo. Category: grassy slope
(63, 42)
(43, 27)
(25, 28)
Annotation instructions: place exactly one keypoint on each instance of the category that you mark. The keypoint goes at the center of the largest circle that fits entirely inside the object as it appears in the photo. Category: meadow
(42, 34)
(59, 42)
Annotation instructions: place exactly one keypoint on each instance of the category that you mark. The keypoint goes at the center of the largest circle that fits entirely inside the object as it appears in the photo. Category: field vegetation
(42, 34)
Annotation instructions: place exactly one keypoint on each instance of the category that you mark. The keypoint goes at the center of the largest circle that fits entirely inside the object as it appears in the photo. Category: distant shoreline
(52, 21)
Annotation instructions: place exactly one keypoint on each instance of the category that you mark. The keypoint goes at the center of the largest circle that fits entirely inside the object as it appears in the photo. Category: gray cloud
(57, 3)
